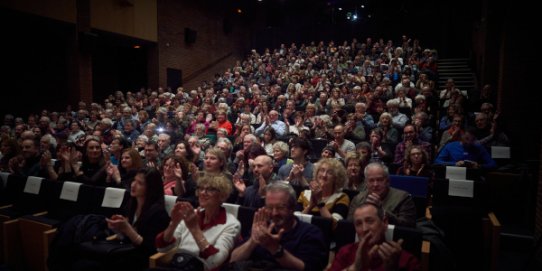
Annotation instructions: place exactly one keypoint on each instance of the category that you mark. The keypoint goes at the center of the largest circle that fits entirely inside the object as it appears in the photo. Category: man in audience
(272, 120)
(410, 138)
(300, 171)
(28, 162)
(164, 144)
(152, 155)
(278, 239)
(397, 204)
(373, 252)
(340, 144)
(465, 153)
(254, 195)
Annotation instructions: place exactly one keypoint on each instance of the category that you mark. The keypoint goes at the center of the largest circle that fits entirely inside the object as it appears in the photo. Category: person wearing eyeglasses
(207, 232)
(397, 204)
(279, 240)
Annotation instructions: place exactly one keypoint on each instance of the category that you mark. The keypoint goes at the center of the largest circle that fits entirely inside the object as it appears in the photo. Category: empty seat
(416, 186)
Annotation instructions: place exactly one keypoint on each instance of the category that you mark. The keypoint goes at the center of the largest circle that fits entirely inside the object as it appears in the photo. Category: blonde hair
(220, 182)
(337, 170)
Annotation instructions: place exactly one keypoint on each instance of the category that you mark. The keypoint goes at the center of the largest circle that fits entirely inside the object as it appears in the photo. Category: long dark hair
(154, 194)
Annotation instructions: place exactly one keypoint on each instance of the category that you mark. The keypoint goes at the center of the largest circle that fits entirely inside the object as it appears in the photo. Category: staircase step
(456, 78)
(453, 59)
(456, 73)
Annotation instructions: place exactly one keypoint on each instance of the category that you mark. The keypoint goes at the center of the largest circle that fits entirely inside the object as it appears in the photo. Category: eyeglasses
(278, 208)
(208, 190)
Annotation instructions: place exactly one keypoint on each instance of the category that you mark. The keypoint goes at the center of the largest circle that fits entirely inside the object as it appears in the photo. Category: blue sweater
(455, 151)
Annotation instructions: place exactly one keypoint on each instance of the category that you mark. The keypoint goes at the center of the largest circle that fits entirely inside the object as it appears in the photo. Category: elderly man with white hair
(398, 119)
(272, 120)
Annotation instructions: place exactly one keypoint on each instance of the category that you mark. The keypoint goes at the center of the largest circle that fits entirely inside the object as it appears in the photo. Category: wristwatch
(279, 252)
(321, 204)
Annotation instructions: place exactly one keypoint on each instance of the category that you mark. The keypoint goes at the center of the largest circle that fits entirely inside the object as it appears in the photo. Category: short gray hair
(379, 165)
(282, 186)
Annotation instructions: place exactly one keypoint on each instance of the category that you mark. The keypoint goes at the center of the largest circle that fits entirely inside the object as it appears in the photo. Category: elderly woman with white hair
(281, 151)
(399, 119)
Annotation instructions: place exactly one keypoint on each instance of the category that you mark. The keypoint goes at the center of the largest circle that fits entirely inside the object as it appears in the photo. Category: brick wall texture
(211, 45)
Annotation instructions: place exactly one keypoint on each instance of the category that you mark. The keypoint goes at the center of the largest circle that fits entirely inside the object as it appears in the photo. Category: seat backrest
(244, 214)
(412, 238)
(471, 174)
(445, 195)
(14, 187)
(298, 190)
(416, 186)
(34, 196)
(324, 224)
(345, 233)
(73, 199)
(317, 145)
(169, 202)
(110, 201)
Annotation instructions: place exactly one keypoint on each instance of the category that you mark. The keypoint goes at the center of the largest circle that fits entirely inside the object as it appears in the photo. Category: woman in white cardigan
(207, 232)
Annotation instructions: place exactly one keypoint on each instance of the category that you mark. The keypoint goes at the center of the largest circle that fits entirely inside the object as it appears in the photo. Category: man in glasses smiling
(278, 239)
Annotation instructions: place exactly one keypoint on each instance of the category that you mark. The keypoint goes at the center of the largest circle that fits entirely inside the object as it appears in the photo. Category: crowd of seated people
(229, 140)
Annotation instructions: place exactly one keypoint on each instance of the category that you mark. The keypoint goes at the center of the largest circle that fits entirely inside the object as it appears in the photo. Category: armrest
(6, 206)
(494, 220)
(428, 214)
(426, 251)
(161, 258)
(495, 233)
(40, 214)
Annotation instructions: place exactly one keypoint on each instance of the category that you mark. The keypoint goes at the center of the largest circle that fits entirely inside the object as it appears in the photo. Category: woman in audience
(268, 139)
(355, 164)
(324, 198)
(90, 169)
(379, 152)
(416, 163)
(177, 178)
(207, 232)
(147, 217)
(390, 133)
(281, 150)
(182, 150)
(130, 163)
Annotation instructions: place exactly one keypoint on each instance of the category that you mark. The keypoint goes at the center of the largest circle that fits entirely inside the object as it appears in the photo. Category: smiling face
(366, 220)
(126, 160)
(325, 177)
(180, 150)
(277, 207)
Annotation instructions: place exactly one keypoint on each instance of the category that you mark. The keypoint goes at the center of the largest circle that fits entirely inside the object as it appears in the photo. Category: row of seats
(34, 207)
(343, 234)
(58, 201)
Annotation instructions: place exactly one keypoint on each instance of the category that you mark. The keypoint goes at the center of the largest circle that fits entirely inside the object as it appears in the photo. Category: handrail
(204, 69)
